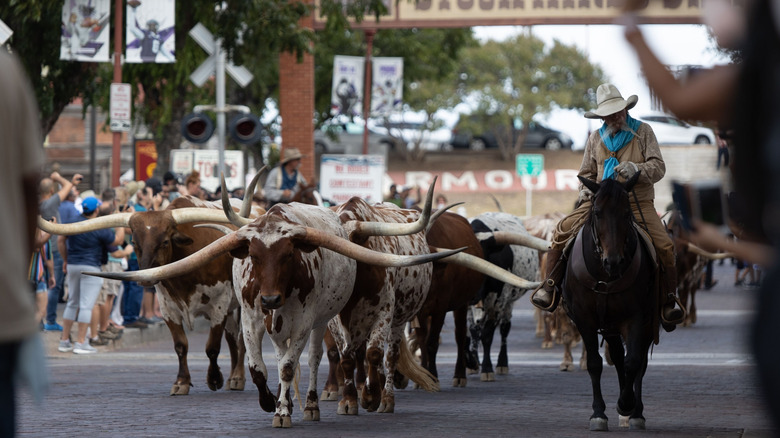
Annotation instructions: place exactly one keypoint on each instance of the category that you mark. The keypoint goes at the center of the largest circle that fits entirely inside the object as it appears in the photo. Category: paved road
(699, 383)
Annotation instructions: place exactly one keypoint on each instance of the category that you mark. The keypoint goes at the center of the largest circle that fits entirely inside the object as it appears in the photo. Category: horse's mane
(610, 188)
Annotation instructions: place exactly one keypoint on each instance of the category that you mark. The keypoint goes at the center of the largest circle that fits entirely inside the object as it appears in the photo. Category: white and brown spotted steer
(293, 271)
(162, 237)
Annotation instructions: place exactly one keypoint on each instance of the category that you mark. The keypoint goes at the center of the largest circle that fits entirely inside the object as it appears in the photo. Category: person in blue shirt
(83, 253)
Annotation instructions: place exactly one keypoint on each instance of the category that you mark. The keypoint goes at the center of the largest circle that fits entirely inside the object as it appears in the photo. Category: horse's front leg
(625, 404)
(636, 365)
(598, 421)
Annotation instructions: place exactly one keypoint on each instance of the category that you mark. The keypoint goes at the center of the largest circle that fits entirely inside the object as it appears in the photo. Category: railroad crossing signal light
(197, 128)
(245, 128)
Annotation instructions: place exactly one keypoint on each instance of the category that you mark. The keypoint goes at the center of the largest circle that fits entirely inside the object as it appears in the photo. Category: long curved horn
(345, 247)
(98, 223)
(489, 269)
(438, 213)
(194, 214)
(218, 227)
(246, 206)
(507, 238)
(179, 267)
(712, 256)
(227, 209)
(365, 229)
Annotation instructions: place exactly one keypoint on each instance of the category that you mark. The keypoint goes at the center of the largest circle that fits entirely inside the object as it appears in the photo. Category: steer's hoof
(329, 395)
(236, 384)
(623, 421)
(386, 408)
(282, 421)
(566, 366)
(311, 414)
(347, 408)
(502, 371)
(487, 377)
(599, 424)
(215, 382)
(470, 371)
(636, 423)
(459, 382)
(180, 388)
(546, 345)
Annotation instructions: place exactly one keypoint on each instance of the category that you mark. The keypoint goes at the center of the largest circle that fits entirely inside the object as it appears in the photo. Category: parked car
(412, 133)
(478, 133)
(671, 130)
(335, 137)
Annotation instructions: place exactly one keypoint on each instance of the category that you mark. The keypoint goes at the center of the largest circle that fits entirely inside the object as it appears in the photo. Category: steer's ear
(181, 239)
(241, 251)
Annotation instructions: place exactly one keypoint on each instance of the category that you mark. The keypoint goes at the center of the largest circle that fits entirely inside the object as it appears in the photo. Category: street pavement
(700, 382)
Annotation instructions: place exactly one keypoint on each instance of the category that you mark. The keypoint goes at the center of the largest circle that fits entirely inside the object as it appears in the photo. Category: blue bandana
(616, 142)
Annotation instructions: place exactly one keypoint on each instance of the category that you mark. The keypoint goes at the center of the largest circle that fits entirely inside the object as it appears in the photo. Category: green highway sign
(530, 164)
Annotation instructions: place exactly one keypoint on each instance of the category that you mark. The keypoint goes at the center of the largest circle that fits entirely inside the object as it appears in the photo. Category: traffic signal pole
(116, 145)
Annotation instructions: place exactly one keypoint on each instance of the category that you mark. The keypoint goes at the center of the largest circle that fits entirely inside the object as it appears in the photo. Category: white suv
(671, 130)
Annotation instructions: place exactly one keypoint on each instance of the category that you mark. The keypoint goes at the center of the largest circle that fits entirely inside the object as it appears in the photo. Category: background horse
(609, 289)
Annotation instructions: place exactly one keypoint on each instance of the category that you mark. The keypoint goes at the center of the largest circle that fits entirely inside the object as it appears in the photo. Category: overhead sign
(120, 107)
(206, 162)
(529, 164)
(345, 176)
(468, 13)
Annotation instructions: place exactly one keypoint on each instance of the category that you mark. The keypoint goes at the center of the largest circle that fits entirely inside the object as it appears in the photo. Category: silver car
(347, 138)
(671, 130)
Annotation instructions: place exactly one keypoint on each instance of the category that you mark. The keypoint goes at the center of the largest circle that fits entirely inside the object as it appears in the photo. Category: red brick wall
(296, 104)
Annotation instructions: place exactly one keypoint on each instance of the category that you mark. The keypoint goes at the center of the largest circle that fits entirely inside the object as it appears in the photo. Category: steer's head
(156, 237)
(274, 261)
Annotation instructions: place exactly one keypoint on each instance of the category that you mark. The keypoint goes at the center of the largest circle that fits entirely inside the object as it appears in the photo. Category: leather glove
(585, 195)
(626, 169)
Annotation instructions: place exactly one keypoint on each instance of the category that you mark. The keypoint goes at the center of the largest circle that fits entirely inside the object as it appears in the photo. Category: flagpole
(116, 149)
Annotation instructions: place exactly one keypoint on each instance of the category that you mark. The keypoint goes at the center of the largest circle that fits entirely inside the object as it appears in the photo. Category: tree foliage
(516, 79)
(253, 33)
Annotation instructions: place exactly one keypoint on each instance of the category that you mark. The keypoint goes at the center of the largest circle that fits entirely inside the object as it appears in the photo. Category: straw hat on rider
(609, 101)
(289, 154)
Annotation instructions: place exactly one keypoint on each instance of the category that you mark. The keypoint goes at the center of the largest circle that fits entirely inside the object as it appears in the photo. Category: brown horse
(610, 289)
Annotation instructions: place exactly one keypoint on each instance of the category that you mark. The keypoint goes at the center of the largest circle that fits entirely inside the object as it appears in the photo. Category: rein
(581, 273)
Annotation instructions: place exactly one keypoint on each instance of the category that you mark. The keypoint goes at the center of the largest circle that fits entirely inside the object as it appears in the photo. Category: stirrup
(682, 310)
(549, 283)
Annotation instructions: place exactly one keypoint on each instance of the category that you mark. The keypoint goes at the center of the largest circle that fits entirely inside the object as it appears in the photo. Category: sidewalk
(130, 336)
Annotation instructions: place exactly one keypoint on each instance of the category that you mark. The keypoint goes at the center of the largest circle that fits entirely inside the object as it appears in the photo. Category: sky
(605, 45)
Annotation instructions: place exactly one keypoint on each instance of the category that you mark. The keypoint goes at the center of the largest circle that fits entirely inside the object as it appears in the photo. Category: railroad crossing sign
(529, 164)
(206, 40)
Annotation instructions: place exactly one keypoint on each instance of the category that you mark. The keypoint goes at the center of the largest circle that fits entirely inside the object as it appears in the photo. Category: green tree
(254, 33)
(511, 81)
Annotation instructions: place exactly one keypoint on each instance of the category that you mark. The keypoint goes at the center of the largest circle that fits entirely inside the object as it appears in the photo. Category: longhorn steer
(165, 236)
(453, 287)
(384, 299)
(293, 271)
(497, 297)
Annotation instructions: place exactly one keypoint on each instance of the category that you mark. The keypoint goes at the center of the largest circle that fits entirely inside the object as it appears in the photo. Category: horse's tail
(414, 371)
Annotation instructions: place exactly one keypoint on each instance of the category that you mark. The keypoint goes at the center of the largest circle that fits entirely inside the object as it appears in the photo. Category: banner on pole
(347, 95)
(387, 86)
(84, 33)
(150, 31)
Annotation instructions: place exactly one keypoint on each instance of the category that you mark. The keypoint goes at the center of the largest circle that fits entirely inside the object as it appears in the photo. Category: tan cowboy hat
(610, 101)
(289, 154)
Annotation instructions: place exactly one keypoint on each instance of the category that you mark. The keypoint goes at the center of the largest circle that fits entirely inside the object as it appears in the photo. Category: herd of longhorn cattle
(355, 275)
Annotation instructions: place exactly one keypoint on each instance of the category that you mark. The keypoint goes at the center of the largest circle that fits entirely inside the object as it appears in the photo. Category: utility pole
(116, 149)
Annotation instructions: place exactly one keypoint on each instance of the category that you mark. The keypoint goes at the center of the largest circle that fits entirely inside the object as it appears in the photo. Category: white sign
(120, 108)
(206, 162)
(345, 176)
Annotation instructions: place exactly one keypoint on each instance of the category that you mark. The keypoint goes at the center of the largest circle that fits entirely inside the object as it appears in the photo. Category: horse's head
(611, 221)
(306, 194)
